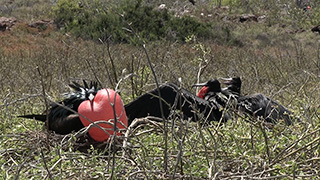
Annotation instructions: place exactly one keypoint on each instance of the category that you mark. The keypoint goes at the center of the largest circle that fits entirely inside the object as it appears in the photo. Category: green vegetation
(100, 20)
(277, 56)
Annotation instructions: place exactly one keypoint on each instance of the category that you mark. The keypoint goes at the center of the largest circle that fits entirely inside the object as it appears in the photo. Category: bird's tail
(35, 116)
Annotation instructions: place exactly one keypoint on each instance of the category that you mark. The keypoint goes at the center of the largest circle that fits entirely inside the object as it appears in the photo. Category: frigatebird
(85, 106)
(257, 105)
(61, 119)
(206, 107)
(203, 107)
(233, 87)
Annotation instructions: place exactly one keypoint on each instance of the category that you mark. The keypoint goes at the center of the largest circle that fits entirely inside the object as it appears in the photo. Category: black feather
(38, 117)
(257, 105)
(74, 87)
(62, 120)
(173, 98)
(260, 105)
(86, 85)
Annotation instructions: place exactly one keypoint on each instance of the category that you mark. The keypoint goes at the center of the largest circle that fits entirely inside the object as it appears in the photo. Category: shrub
(97, 19)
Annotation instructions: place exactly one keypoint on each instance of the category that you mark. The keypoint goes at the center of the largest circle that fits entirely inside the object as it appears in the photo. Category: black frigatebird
(86, 104)
(233, 87)
(257, 105)
(203, 108)
(61, 119)
(198, 108)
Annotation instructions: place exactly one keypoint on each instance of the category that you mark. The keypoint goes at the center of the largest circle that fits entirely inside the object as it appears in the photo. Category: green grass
(282, 65)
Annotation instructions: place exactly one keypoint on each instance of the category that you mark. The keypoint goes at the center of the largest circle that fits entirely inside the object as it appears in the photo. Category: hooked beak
(200, 84)
(226, 81)
(91, 97)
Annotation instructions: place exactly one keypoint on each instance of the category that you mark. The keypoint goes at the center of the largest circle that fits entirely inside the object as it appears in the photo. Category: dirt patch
(18, 36)
(7, 23)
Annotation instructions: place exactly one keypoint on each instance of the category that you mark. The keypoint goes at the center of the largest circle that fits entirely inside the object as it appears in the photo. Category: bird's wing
(63, 117)
(261, 105)
(66, 124)
(172, 98)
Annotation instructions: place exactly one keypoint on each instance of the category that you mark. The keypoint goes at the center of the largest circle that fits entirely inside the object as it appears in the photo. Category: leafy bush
(85, 19)
(186, 26)
(96, 19)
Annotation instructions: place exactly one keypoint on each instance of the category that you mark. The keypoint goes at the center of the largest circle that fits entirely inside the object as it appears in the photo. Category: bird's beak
(200, 84)
(226, 81)
(91, 97)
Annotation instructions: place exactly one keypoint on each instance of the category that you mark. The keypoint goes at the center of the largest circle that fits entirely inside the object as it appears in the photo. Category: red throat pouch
(203, 91)
(101, 109)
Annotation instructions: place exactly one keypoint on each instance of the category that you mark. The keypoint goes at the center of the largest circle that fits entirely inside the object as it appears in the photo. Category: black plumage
(232, 92)
(316, 29)
(257, 105)
(62, 116)
(233, 87)
(192, 2)
(175, 98)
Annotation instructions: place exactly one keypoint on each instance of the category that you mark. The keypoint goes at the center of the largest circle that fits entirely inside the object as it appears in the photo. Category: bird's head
(85, 92)
(234, 84)
(212, 85)
(91, 93)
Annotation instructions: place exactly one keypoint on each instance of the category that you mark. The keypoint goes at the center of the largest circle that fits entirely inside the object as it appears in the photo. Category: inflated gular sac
(104, 107)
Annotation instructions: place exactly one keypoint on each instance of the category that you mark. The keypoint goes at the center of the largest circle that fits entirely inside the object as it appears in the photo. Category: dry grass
(283, 66)
(237, 149)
